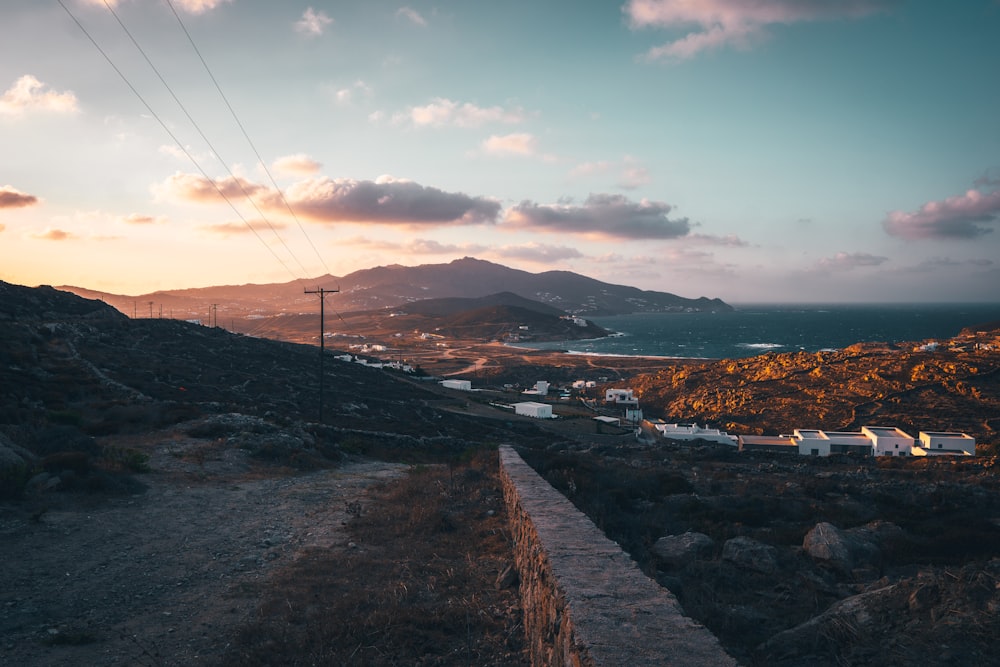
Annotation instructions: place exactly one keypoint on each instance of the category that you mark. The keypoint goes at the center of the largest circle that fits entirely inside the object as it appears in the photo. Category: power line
(197, 127)
(174, 138)
(260, 160)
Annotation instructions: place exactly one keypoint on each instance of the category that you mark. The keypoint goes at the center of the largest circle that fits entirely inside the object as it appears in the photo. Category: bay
(758, 328)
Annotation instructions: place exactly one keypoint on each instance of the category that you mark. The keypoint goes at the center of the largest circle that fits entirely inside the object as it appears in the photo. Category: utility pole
(214, 310)
(322, 340)
(150, 310)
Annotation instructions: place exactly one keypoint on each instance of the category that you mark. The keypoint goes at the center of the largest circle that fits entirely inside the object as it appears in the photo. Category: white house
(542, 387)
(461, 385)
(849, 442)
(812, 442)
(532, 409)
(619, 396)
(694, 432)
(934, 443)
(888, 441)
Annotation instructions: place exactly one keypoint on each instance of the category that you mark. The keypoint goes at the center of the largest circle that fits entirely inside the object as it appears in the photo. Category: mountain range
(393, 286)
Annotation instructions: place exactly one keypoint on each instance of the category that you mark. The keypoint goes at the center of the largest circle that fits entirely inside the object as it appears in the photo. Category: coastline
(500, 363)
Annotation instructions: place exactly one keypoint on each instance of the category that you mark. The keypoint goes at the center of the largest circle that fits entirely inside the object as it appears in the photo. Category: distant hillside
(456, 305)
(394, 286)
(514, 323)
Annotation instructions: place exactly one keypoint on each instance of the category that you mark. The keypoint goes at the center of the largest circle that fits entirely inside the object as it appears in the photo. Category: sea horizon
(753, 329)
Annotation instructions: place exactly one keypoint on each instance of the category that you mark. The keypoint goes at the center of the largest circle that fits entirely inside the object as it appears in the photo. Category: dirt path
(163, 577)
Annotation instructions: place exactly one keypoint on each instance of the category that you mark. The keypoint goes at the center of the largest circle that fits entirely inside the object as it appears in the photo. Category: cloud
(634, 175)
(30, 94)
(189, 6)
(11, 198)
(227, 229)
(442, 112)
(346, 95)
(537, 252)
(195, 188)
(199, 6)
(313, 23)
(511, 144)
(602, 215)
(936, 263)
(960, 217)
(419, 246)
(729, 240)
(412, 15)
(2, 227)
(844, 261)
(590, 168)
(714, 24)
(299, 164)
(985, 179)
(387, 201)
(140, 219)
(51, 234)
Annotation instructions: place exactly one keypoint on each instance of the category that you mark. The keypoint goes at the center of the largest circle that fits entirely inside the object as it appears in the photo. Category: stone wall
(586, 603)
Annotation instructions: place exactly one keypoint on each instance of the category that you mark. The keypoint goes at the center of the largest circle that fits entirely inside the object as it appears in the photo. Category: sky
(759, 151)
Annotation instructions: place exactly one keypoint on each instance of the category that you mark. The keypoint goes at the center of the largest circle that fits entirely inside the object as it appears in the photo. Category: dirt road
(165, 576)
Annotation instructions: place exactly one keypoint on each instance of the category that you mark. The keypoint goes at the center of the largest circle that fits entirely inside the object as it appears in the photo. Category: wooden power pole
(322, 340)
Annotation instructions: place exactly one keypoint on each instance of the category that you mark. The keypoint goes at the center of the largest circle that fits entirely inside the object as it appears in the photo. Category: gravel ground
(166, 576)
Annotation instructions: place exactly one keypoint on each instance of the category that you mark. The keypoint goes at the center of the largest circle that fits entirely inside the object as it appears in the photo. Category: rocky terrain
(948, 386)
(805, 561)
(119, 437)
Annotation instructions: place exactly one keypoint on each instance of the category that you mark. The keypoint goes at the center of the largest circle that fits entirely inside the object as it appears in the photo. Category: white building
(694, 432)
(532, 409)
(888, 441)
(813, 443)
(934, 443)
(619, 396)
(542, 387)
(461, 385)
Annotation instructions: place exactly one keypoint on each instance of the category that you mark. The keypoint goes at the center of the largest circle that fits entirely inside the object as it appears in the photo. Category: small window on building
(897, 445)
(814, 452)
(940, 445)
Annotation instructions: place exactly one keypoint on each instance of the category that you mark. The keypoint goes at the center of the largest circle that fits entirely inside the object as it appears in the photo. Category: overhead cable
(246, 135)
(174, 137)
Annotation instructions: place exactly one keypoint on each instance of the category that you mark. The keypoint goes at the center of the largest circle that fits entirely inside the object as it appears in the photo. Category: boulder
(677, 550)
(827, 543)
(751, 554)
(848, 550)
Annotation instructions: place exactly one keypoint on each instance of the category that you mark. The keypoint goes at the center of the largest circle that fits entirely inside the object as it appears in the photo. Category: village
(620, 408)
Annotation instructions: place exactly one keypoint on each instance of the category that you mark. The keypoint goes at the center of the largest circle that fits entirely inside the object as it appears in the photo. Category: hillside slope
(953, 387)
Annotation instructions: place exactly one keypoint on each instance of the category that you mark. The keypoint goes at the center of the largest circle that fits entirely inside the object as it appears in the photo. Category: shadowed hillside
(73, 369)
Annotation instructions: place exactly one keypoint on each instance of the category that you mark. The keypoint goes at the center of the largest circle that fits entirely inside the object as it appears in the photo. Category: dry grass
(416, 588)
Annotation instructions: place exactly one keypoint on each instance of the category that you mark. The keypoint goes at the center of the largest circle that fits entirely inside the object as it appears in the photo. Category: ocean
(756, 329)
